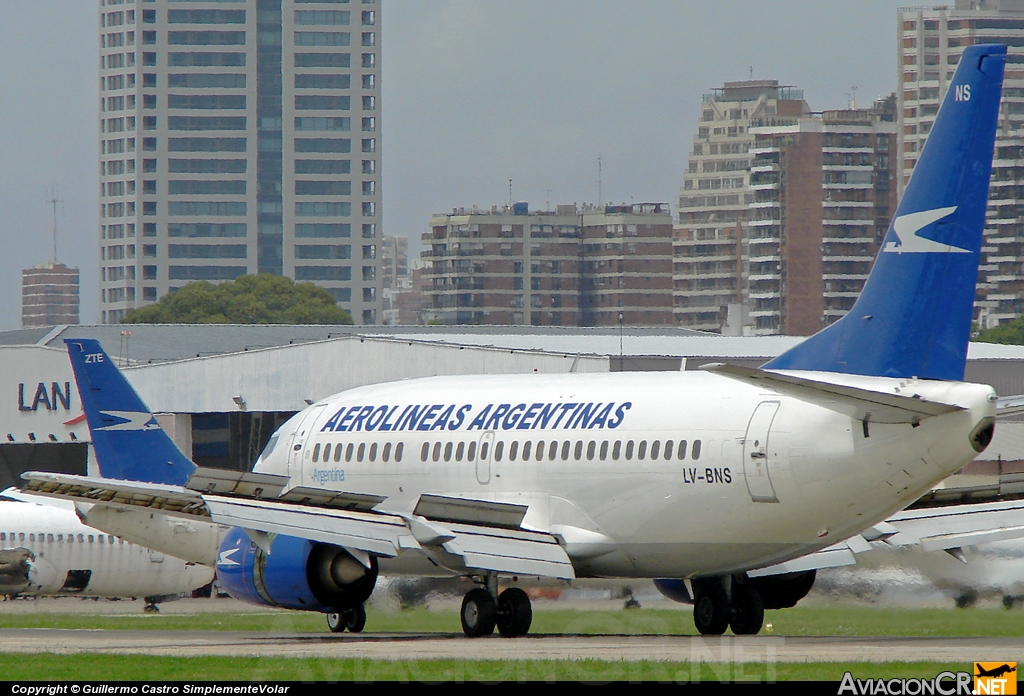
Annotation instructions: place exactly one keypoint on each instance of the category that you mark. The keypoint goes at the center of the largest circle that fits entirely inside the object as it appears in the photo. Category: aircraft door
(756, 454)
(297, 448)
(483, 458)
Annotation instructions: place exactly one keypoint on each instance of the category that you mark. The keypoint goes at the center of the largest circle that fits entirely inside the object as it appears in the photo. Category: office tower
(930, 43)
(49, 295)
(714, 199)
(239, 138)
(565, 267)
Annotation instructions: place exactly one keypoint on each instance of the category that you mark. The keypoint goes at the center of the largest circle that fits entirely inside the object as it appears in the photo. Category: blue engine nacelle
(296, 574)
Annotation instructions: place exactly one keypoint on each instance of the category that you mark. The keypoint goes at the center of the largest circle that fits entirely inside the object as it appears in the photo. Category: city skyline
(532, 92)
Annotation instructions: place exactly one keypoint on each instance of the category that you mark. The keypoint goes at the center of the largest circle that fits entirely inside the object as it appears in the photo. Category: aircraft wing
(948, 528)
(861, 404)
(459, 534)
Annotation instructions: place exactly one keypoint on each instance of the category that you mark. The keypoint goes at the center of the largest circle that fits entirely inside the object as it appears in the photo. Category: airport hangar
(222, 390)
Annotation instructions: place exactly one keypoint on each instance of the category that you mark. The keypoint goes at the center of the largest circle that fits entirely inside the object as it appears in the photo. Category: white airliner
(697, 478)
(45, 549)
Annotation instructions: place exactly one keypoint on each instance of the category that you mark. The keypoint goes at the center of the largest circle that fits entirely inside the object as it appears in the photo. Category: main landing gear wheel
(479, 613)
(351, 620)
(747, 611)
(514, 613)
(711, 612)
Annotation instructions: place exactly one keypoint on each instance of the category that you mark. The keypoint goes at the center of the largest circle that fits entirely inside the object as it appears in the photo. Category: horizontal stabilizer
(1010, 406)
(856, 402)
(929, 529)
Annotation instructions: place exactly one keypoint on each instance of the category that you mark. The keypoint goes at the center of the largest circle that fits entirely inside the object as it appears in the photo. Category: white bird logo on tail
(907, 228)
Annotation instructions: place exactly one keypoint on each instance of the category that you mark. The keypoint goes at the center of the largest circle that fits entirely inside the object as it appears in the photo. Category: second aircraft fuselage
(641, 474)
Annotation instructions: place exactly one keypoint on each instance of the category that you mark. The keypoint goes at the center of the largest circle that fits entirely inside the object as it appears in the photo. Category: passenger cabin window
(526, 450)
(385, 454)
(617, 450)
(540, 451)
(499, 448)
(641, 451)
(398, 451)
(316, 453)
(337, 453)
(373, 451)
(424, 451)
(565, 450)
(327, 452)
(682, 450)
(695, 453)
(437, 452)
(513, 450)
(460, 451)
(348, 452)
(448, 452)
(629, 450)
(361, 452)
(668, 450)
(471, 452)
(604, 450)
(655, 449)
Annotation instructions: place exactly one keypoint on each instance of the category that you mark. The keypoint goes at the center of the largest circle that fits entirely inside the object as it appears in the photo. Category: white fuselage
(762, 478)
(72, 558)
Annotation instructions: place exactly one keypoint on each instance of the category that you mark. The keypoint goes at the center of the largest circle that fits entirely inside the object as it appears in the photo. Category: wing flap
(834, 556)
(375, 533)
(861, 404)
(510, 551)
(166, 498)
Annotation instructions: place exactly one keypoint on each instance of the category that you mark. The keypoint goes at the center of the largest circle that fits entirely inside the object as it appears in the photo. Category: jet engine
(294, 574)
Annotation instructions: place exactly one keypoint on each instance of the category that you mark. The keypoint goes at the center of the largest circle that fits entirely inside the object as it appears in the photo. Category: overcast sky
(475, 92)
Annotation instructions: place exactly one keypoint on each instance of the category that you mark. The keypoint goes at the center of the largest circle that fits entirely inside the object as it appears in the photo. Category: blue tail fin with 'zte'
(913, 318)
(128, 441)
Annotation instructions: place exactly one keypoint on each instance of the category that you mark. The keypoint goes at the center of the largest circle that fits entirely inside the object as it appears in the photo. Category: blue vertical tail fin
(913, 317)
(128, 442)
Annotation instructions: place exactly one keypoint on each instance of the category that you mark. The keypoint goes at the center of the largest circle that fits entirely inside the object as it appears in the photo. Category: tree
(1010, 334)
(250, 299)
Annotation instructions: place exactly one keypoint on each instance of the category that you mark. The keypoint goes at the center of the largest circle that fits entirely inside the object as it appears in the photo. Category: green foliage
(1010, 334)
(251, 299)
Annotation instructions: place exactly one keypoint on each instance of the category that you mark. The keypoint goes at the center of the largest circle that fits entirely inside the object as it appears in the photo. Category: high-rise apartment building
(237, 138)
(591, 267)
(930, 44)
(715, 197)
(49, 295)
(824, 190)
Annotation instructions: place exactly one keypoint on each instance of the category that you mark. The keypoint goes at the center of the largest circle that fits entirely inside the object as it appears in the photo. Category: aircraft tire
(355, 619)
(479, 613)
(711, 612)
(335, 622)
(747, 612)
(515, 614)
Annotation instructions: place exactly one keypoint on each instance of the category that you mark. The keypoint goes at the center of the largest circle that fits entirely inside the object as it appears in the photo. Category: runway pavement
(619, 648)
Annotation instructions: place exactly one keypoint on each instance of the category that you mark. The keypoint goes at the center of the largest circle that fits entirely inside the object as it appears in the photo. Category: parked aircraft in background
(45, 549)
(698, 476)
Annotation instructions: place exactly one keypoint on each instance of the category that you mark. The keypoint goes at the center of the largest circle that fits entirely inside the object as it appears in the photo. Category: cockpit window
(268, 450)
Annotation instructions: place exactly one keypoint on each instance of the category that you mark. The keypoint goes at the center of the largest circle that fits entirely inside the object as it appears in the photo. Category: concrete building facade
(714, 200)
(930, 45)
(566, 267)
(239, 138)
(49, 295)
(823, 195)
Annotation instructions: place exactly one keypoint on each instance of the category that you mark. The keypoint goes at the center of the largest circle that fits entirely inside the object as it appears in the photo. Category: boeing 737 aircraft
(696, 477)
(45, 549)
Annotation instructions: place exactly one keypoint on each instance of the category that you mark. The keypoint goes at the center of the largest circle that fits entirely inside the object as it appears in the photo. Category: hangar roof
(156, 343)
